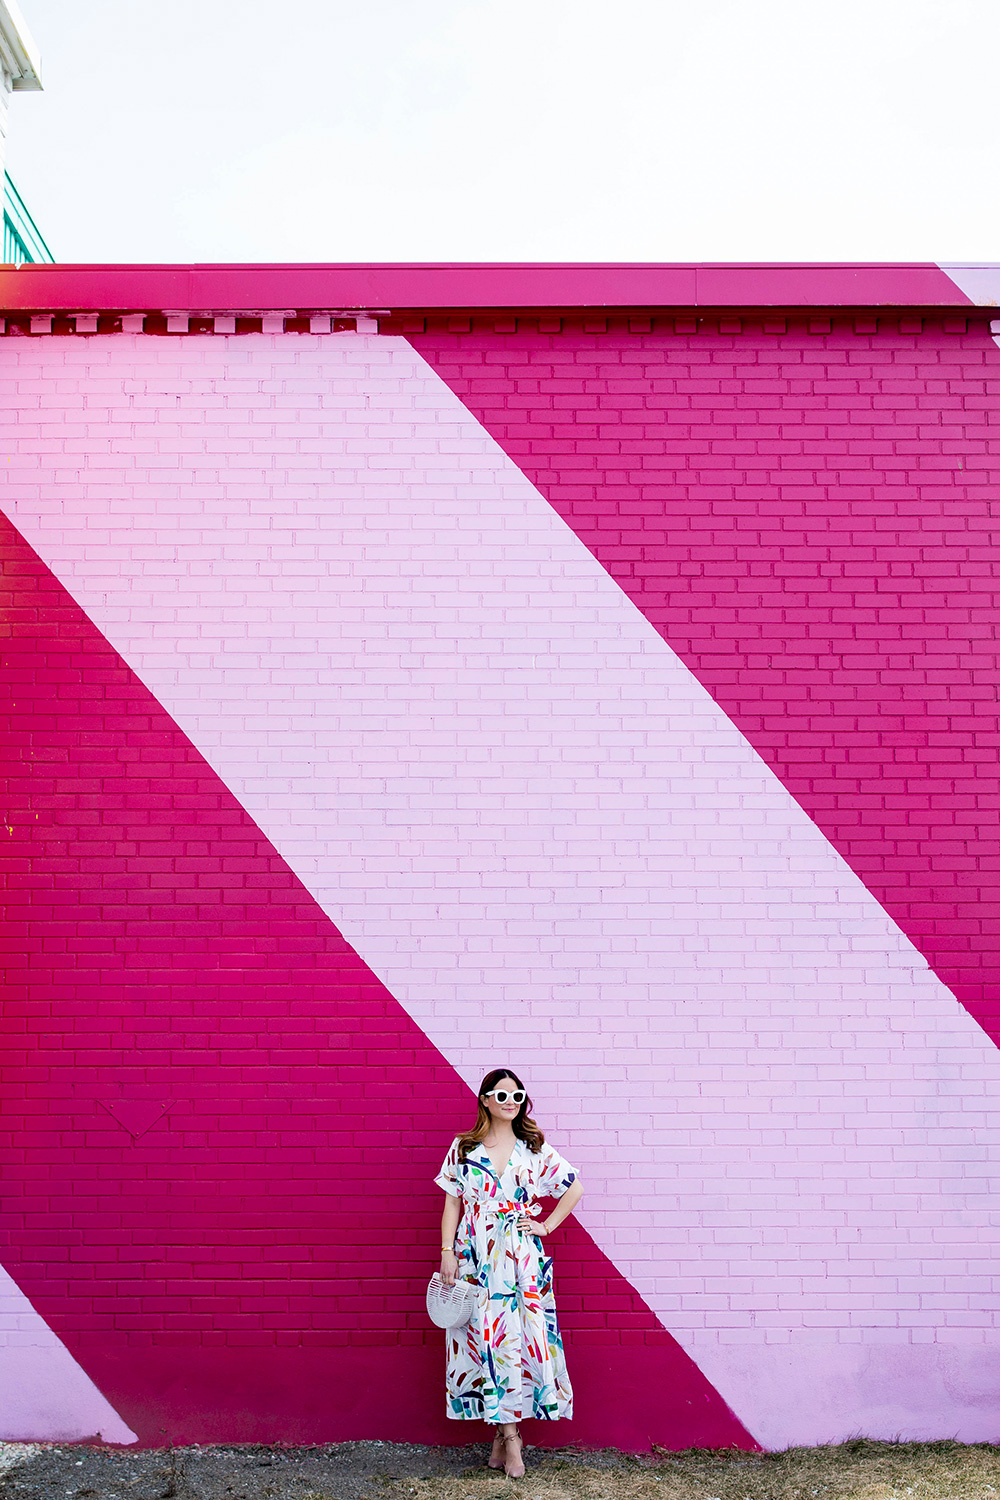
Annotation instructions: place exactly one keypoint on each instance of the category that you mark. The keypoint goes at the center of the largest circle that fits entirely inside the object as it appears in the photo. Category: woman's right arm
(449, 1226)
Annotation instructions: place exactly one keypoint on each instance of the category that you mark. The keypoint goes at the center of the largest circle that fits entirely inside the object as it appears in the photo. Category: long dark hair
(524, 1126)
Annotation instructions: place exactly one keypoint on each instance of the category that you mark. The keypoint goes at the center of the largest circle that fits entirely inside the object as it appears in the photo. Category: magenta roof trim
(197, 288)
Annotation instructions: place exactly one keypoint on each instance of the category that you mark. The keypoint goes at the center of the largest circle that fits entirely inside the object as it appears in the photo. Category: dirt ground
(858, 1470)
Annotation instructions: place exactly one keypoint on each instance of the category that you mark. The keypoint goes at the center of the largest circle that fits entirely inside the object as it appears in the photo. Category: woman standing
(508, 1361)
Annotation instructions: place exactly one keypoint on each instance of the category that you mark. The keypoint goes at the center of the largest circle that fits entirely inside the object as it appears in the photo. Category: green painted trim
(22, 240)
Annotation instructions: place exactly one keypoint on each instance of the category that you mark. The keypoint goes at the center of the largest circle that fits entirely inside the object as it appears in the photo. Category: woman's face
(508, 1111)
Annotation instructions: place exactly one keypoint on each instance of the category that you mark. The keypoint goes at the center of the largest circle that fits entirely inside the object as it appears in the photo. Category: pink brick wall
(306, 659)
(810, 519)
(252, 1267)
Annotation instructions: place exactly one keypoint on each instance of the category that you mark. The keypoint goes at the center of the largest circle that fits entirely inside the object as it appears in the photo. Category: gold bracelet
(449, 1248)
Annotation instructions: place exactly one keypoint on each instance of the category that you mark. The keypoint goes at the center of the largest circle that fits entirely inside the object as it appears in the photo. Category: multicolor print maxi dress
(508, 1361)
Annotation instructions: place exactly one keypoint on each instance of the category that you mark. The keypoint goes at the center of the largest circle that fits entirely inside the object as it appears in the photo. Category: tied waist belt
(500, 1214)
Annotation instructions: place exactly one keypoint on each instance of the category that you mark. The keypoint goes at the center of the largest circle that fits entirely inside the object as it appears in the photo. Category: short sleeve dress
(508, 1361)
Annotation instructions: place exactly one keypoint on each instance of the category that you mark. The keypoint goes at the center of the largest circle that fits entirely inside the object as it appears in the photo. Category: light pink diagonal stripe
(44, 1394)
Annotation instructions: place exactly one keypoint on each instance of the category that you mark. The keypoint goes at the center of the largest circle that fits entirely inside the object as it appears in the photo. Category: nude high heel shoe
(497, 1452)
(514, 1466)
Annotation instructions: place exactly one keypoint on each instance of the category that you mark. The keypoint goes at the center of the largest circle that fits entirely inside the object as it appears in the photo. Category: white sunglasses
(516, 1096)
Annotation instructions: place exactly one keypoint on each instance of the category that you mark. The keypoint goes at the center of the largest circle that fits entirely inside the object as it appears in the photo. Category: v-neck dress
(508, 1360)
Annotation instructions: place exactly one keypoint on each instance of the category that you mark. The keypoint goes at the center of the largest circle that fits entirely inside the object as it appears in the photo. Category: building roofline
(472, 286)
(18, 51)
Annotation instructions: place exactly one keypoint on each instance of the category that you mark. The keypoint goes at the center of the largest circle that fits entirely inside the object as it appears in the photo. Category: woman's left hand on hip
(528, 1225)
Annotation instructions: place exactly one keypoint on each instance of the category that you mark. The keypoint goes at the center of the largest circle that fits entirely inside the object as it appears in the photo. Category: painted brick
(178, 979)
(813, 578)
(630, 462)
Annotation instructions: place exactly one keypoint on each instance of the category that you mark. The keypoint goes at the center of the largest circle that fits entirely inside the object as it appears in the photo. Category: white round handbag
(450, 1306)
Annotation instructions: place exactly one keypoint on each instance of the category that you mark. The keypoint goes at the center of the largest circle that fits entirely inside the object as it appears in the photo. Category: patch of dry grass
(860, 1470)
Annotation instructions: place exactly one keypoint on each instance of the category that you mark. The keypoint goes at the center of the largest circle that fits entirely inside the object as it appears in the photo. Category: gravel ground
(858, 1470)
(342, 1471)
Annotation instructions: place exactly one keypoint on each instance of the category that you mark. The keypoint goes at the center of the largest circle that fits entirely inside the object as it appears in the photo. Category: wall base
(796, 1395)
(627, 1396)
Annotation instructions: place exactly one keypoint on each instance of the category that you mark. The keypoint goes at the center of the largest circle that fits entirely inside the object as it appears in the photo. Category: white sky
(176, 130)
